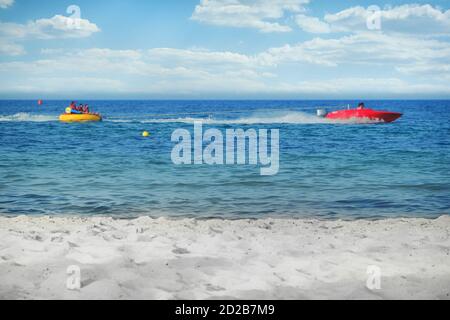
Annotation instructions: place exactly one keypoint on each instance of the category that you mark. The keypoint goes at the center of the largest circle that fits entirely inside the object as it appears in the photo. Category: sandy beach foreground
(149, 258)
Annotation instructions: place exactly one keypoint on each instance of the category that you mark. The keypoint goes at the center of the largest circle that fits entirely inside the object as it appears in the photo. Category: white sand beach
(162, 258)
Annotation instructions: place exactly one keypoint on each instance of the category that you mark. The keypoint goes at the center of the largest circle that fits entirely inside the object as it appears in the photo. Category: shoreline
(165, 216)
(187, 258)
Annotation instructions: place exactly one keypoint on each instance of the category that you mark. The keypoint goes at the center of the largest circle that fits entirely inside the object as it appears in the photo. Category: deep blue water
(326, 170)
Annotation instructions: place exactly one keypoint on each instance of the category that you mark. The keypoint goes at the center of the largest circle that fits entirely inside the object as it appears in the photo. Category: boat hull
(80, 117)
(364, 115)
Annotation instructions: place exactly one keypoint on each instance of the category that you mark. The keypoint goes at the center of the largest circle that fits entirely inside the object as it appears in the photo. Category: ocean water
(327, 170)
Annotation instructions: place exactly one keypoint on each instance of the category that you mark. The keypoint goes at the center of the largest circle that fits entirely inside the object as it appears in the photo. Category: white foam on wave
(121, 120)
(27, 117)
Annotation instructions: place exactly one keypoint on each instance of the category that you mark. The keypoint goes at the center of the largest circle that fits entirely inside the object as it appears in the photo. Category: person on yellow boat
(81, 109)
(73, 108)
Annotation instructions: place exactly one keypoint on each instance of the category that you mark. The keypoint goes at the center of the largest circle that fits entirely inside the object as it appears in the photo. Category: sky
(224, 49)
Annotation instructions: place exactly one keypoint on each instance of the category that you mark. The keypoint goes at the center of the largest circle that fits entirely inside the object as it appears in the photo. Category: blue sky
(225, 49)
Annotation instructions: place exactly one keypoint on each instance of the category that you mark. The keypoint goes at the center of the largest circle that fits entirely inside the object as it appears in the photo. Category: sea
(327, 170)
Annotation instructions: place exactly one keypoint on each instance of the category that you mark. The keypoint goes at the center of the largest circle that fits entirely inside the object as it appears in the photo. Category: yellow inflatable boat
(84, 117)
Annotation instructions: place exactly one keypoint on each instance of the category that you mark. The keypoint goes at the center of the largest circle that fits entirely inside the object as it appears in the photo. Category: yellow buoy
(145, 134)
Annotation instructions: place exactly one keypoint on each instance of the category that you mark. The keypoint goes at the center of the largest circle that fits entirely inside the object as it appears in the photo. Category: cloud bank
(201, 72)
(263, 15)
(410, 19)
(340, 58)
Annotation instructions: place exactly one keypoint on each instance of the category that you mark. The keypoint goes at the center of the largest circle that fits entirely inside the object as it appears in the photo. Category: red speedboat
(363, 115)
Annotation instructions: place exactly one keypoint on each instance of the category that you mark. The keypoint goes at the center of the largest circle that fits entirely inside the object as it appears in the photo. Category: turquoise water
(326, 170)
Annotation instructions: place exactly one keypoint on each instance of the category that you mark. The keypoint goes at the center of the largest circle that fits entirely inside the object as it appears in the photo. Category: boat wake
(291, 117)
(27, 117)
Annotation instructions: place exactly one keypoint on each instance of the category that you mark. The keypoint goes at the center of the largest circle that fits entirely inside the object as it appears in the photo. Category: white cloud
(62, 27)
(6, 3)
(68, 85)
(8, 48)
(54, 28)
(263, 15)
(196, 56)
(362, 49)
(58, 27)
(312, 24)
(411, 19)
(441, 69)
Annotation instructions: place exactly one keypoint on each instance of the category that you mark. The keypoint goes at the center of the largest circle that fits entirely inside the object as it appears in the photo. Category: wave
(27, 117)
